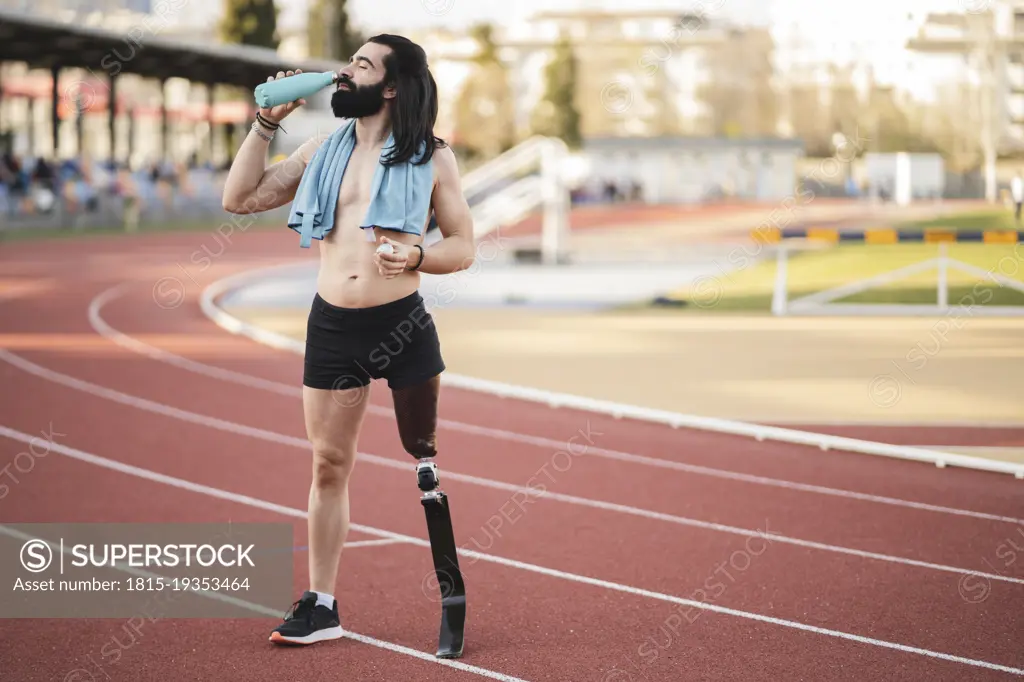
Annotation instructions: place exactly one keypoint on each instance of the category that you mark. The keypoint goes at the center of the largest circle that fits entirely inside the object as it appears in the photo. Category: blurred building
(674, 107)
(988, 45)
(648, 55)
(845, 67)
(690, 169)
(661, 68)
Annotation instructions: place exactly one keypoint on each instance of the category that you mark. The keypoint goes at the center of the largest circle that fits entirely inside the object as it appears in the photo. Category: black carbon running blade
(449, 576)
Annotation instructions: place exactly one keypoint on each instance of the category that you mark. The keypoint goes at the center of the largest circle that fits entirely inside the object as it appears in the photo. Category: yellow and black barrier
(886, 235)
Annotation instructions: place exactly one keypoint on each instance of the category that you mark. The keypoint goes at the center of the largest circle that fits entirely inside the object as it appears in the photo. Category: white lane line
(526, 491)
(101, 327)
(735, 476)
(277, 613)
(256, 503)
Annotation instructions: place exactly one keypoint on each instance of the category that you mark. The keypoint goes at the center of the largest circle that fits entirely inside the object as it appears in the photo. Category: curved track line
(676, 420)
(101, 327)
(303, 444)
(554, 573)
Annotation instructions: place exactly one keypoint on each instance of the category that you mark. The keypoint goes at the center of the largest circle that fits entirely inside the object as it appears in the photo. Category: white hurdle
(823, 302)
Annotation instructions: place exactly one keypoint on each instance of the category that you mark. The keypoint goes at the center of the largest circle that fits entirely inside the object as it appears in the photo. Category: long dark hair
(414, 108)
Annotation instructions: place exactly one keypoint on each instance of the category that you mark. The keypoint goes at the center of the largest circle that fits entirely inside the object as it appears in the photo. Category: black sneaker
(307, 622)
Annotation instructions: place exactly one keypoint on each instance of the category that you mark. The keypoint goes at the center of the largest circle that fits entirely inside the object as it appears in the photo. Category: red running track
(831, 565)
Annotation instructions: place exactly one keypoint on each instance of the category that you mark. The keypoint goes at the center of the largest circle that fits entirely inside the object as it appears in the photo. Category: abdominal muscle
(348, 276)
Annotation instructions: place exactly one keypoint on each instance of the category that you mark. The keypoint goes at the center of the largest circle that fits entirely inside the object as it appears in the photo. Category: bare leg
(416, 412)
(333, 420)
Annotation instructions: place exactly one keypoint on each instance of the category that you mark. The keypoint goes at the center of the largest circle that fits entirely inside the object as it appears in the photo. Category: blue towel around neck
(399, 196)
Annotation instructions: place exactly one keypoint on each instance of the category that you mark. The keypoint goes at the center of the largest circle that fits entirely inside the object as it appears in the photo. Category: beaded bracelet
(256, 129)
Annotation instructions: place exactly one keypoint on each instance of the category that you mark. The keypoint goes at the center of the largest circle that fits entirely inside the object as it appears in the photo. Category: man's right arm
(253, 187)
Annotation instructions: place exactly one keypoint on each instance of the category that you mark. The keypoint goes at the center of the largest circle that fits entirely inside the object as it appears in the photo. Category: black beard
(358, 102)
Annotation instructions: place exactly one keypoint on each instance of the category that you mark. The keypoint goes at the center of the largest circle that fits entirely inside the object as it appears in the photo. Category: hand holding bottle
(283, 94)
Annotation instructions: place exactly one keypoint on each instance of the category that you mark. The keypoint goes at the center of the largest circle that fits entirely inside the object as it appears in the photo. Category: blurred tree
(890, 127)
(808, 118)
(556, 114)
(844, 102)
(954, 126)
(487, 49)
(738, 95)
(250, 22)
(330, 33)
(484, 108)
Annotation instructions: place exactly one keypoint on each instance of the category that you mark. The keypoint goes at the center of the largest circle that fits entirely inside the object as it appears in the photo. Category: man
(363, 295)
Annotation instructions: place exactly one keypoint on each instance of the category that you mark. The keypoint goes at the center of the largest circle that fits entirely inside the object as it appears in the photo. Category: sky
(842, 30)
(827, 16)
(406, 14)
(874, 31)
(871, 31)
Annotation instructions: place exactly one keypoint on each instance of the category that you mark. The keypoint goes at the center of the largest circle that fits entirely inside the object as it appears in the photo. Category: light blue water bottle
(284, 90)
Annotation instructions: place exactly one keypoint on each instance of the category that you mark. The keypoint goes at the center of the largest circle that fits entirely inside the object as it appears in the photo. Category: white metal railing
(544, 188)
(509, 205)
(524, 155)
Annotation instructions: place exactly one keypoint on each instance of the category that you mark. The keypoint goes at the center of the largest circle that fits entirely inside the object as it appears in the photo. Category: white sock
(324, 599)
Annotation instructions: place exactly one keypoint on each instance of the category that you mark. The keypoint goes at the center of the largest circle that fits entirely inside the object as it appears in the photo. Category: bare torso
(348, 277)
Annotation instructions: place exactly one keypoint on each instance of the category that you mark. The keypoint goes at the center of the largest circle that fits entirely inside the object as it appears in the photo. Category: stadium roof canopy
(45, 43)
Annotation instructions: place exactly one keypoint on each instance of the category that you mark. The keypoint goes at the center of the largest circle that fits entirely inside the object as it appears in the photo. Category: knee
(420, 447)
(332, 466)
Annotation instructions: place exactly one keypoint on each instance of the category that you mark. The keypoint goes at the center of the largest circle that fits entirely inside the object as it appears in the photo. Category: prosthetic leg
(416, 411)
(446, 561)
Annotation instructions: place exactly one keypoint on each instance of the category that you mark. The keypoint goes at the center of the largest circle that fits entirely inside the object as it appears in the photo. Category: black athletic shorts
(347, 347)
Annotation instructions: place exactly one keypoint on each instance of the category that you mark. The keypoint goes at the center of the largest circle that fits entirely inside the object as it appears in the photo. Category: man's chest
(358, 178)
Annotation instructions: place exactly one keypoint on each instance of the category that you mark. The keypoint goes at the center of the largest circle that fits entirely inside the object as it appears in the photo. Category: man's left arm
(456, 250)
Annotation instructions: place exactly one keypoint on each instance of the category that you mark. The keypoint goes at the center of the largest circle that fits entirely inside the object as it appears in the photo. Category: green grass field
(750, 289)
(999, 219)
